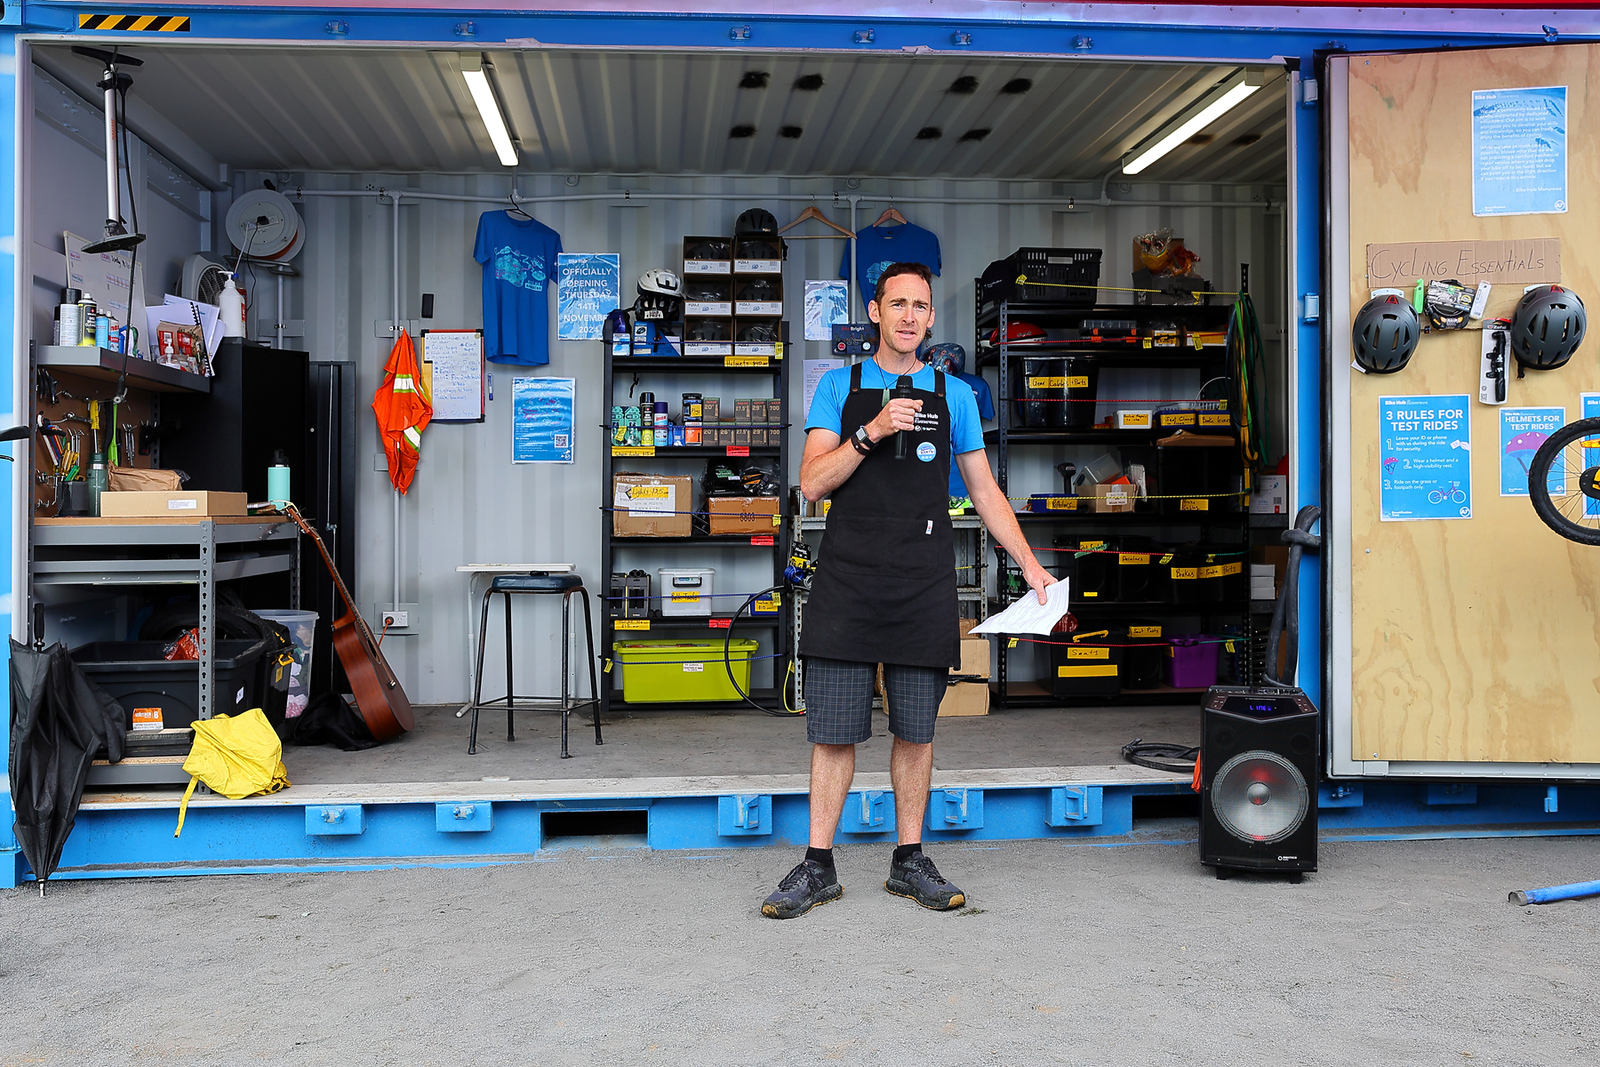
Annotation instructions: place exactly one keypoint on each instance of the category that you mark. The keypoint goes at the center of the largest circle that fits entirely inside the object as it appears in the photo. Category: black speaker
(1258, 775)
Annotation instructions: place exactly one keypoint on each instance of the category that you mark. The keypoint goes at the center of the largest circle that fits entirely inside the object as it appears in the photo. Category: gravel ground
(1399, 953)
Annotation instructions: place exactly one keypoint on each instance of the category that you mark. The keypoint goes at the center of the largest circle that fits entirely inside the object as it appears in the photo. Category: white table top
(516, 568)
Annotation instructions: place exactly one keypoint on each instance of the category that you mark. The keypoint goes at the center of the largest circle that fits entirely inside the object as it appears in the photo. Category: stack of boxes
(750, 421)
(708, 286)
(758, 295)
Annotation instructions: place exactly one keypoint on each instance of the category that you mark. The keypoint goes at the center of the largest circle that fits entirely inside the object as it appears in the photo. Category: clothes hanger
(811, 212)
(890, 215)
(516, 207)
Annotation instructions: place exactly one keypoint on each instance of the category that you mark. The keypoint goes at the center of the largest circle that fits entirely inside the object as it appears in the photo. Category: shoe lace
(924, 866)
(801, 877)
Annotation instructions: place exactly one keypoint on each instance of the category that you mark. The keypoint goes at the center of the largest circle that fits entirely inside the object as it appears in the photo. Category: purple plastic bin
(1193, 661)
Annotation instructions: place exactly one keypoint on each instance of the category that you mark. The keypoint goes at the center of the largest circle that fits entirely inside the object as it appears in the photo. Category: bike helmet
(948, 357)
(759, 333)
(659, 282)
(712, 248)
(757, 250)
(1019, 333)
(756, 221)
(616, 324)
(1547, 327)
(706, 293)
(652, 308)
(707, 330)
(1385, 334)
(758, 290)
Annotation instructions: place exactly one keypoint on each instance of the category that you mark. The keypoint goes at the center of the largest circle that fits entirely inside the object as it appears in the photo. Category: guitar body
(384, 707)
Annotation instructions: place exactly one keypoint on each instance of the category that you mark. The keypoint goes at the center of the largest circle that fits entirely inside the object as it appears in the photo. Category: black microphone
(902, 388)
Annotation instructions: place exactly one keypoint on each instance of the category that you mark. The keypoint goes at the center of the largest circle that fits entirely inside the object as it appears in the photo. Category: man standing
(885, 589)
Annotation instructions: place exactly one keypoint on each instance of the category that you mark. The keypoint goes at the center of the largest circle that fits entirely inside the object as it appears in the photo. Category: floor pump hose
(727, 659)
(1286, 613)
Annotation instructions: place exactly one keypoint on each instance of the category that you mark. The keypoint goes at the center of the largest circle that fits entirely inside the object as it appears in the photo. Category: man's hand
(898, 414)
(1038, 580)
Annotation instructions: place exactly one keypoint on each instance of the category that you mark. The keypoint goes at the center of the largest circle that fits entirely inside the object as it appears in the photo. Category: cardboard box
(760, 436)
(710, 408)
(741, 436)
(758, 411)
(974, 657)
(742, 514)
(960, 699)
(652, 505)
(742, 410)
(175, 506)
(1110, 497)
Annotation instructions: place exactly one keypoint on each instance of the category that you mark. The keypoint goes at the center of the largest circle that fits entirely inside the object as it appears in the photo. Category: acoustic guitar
(379, 696)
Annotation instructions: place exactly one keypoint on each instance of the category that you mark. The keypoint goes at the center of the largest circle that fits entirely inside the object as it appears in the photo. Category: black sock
(823, 856)
(905, 852)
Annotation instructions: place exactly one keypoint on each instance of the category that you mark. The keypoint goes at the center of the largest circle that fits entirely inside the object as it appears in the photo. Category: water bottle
(231, 301)
(99, 477)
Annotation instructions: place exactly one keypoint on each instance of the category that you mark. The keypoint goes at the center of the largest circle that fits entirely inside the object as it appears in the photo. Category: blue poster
(1519, 151)
(588, 288)
(1425, 445)
(541, 420)
(1522, 431)
(1591, 456)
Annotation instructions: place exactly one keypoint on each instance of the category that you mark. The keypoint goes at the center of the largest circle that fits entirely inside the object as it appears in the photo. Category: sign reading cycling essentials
(1399, 265)
(1425, 452)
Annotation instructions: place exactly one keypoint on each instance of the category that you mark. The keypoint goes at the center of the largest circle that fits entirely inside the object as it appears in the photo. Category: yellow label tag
(1144, 631)
(649, 492)
(1211, 572)
(1194, 504)
(1134, 559)
(745, 361)
(777, 520)
(1077, 381)
(1177, 418)
(1147, 342)
(1135, 420)
(632, 450)
(1080, 652)
(1107, 670)
(686, 598)
(1061, 503)
(1185, 573)
(1228, 645)
(1051, 382)
(1088, 594)
(769, 604)
(1166, 559)
(1215, 418)
(1091, 546)
(1229, 568)
(630, 624)
(1012, 643)
(608, 667)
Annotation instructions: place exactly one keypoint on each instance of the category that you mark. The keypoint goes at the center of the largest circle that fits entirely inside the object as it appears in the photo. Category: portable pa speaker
(1258, 767)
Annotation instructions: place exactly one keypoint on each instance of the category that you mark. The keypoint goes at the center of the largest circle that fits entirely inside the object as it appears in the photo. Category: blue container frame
(272, 834)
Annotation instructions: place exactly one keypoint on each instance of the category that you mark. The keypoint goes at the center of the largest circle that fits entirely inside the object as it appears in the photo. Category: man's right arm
(829, 461)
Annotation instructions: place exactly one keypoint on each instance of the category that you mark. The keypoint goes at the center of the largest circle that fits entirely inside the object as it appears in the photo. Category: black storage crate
(136, 676)
(1060, 266)
(1194, 479)
(1087, 664)
(1091, 567)
(1144, 658)
(1140, 577)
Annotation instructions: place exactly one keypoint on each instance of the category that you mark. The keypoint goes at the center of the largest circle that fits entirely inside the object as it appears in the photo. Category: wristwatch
(862, 441)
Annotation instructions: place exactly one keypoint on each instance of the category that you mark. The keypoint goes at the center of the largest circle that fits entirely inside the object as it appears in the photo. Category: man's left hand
(1039, 580)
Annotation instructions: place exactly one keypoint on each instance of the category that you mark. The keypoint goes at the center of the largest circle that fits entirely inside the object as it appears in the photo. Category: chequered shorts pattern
(839, 700)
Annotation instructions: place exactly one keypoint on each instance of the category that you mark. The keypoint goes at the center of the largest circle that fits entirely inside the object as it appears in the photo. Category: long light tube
(1203, 118)
(488, 108)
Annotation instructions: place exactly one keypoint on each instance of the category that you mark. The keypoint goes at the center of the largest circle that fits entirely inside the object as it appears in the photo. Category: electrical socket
(396, 620)
(403, 620)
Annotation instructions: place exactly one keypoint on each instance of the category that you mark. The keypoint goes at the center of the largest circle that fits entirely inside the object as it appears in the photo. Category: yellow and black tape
(135, 23)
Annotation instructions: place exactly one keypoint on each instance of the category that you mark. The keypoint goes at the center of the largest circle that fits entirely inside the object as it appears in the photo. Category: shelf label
(1077, 381)
(1061, 503)
(630, 624)
(1229, 569)
(1134, 559)
(1185, 573)
(1211, 572)
(746, 361)
(762, 540)
(1194, 504)
(686, 598)
(1215, 418)
(768, 606)
(738, 450)
(777, 520)
(1052, 382)
(1144, 631)
(720, 624)
(633, 450)
(1080, 652)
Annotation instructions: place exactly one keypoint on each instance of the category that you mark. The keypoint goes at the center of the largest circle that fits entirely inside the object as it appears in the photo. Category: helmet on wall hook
(1385, 334)
(1547, 327)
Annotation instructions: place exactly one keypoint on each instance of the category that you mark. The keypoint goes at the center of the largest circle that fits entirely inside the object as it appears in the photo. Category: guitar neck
(338, 583)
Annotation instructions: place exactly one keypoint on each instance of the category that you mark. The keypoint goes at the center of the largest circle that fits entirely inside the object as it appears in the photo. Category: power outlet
(396, 620)
(403, 620)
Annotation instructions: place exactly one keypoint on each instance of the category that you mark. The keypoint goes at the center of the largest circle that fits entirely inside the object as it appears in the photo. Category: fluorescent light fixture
(1201, 119)
(488, 109)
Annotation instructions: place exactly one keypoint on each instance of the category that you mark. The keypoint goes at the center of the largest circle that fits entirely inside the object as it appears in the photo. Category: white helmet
(659, 282)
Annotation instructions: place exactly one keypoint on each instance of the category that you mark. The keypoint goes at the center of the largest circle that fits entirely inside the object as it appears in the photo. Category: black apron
(885, 587)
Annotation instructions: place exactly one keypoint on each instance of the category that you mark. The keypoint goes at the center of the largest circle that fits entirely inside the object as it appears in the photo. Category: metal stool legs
(594, 684)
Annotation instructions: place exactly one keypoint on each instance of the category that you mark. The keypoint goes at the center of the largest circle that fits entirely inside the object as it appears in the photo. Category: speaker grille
(1259, 796)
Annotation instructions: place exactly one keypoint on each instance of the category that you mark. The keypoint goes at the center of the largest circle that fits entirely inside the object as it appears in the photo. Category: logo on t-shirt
(875, 272)
(926, 451)
(519, 268)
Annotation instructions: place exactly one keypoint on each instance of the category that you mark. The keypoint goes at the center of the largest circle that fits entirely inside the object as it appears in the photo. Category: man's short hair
(894, 270)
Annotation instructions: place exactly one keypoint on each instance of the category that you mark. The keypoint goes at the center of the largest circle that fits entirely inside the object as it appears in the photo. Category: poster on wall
(826, 304)
(1519, 151)
(814, 370)
(1425, 450)
(588, 288)
(1589, 408)
(541, 420)
(1522, 431)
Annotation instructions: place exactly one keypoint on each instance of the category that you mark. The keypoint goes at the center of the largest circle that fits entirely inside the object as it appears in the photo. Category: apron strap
(855, 378)
(938, 383)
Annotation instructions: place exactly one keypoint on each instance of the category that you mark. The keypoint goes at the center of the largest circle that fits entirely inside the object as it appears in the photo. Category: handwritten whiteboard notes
(453, 370)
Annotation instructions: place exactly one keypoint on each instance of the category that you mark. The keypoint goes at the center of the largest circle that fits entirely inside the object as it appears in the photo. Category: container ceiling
(616, 112)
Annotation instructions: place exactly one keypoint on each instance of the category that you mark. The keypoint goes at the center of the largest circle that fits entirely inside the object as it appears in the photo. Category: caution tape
(135, 23)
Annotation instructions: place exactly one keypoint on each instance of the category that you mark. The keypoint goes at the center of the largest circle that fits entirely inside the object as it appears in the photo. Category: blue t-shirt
(519, 262)
(980, 390)
(827, 403)
(879, 246)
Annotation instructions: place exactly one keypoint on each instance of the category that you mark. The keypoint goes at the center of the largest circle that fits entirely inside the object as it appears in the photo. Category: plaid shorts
(839, 700)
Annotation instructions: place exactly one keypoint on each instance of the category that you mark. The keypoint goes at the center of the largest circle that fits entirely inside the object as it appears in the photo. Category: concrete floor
(1396, 953)
(673, 744)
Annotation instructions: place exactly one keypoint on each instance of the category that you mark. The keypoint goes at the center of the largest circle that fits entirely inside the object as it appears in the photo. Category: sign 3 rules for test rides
(1425, 451)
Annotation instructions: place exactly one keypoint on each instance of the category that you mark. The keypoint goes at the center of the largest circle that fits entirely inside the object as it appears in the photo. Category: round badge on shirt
(926, 451)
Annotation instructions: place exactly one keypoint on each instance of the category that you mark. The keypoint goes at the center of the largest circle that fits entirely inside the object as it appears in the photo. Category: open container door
(1465, 643)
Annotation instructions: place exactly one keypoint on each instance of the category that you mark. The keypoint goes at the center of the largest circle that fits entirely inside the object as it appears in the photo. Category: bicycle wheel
(1570, 456)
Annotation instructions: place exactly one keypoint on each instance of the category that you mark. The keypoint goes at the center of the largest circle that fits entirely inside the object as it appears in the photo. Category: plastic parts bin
(681, 671)
(303, 631)
(1192, 661)
(136, 676)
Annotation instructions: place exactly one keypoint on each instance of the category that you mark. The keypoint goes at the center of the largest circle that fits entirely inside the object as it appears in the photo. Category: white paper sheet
(1026, 615)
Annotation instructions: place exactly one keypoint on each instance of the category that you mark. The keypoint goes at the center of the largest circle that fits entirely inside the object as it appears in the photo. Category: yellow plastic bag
(236, 755)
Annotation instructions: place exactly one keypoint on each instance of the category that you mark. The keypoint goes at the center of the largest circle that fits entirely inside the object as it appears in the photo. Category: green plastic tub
(681, 671)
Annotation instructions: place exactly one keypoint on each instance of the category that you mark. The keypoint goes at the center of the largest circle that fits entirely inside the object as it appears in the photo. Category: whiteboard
(452, 372)
(104, 275)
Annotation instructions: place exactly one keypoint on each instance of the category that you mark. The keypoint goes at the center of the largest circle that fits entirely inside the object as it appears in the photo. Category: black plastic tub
(136, 676)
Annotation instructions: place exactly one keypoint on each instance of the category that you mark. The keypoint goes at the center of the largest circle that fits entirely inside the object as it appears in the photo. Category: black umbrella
(59, 722)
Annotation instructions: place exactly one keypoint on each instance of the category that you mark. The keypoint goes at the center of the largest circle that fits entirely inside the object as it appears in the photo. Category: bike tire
(1565, 514)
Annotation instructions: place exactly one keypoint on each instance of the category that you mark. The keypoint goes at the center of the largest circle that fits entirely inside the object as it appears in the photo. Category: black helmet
(757, 249)
(706, 292)
(761, 289)
(708, 330)
(759, 333)
(710, 248)
(1385, 334)
(1547, 327)
(756, 221)
(652, 308)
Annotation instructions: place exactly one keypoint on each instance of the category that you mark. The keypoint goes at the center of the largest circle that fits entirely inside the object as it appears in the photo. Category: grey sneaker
(802, 889)
(916, 877)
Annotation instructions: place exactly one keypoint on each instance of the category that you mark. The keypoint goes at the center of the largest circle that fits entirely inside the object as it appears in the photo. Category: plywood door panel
(1479, 639)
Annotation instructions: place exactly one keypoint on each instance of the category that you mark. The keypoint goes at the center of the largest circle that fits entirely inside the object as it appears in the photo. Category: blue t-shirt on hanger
(519, 263)
(879, 246)
(980, 390)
